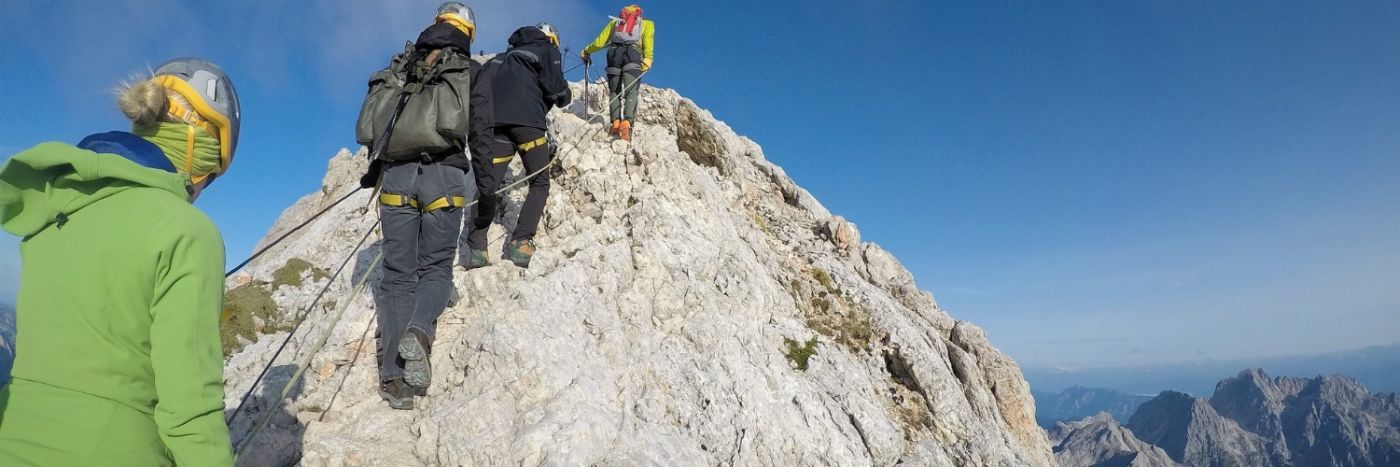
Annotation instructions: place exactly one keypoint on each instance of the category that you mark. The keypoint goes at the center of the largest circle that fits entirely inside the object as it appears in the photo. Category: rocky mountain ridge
(690, 305)
(1251, 419)
(1099, 441)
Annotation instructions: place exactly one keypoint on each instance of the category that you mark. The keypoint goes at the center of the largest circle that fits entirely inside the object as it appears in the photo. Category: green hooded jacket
(117, 354)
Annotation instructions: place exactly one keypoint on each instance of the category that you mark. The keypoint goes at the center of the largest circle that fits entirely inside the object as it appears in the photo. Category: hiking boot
(615, 125)
(624, 130)
(414, 347)
(398, 394)
(520, 251)
(476, 259)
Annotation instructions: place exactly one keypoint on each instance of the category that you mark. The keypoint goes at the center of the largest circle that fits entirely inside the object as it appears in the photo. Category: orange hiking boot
(624, 131)
(616, 124)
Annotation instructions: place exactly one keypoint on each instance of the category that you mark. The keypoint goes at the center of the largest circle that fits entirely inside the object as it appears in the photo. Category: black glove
(587, 60)
(371, 176)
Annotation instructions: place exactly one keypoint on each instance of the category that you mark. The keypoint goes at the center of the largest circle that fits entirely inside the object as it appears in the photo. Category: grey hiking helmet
(208, 89)
(548, 30)
(460, 16)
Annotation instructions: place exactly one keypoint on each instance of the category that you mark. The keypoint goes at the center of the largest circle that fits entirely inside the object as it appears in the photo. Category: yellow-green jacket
(605, 37)
(117, 353)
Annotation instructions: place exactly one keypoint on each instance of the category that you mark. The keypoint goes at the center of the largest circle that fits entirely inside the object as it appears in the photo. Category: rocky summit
(1099, 441)
(689, 305)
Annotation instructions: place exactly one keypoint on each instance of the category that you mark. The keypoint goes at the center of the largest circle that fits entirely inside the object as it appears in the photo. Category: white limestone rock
(652, 328)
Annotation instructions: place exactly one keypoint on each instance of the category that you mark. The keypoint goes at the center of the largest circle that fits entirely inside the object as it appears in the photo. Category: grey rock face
(1192, 433)
(656, 326)
(1329, 420)
(1099, 441)
(1256, 420)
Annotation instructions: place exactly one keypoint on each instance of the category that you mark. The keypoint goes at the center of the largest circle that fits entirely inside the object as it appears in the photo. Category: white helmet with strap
(549, 31)
(460, 16)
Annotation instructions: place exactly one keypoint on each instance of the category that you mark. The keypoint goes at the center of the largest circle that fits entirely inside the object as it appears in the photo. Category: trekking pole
(587, 112)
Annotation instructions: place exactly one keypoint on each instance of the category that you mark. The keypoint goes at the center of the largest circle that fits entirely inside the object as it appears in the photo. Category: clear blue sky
(1097, 182)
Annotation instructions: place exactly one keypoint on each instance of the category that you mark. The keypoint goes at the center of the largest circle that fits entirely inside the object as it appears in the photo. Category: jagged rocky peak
(689, 304)
(1255, 400)
(1099, 441)
(1258, 420)
(1193, 433)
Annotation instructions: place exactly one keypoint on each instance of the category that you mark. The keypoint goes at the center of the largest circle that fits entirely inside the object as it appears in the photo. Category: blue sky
(1096, 183)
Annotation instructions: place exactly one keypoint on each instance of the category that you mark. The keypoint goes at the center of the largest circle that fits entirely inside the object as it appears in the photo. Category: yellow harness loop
(390, 199)
(533, 144)
(444, 202)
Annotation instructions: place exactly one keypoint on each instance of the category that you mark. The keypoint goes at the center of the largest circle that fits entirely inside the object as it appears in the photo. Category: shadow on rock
(279, 442)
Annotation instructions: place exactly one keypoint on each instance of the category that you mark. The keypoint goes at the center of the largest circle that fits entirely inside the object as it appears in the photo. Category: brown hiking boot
(398, 394)
(624, 131)
(616, 124)
(520, 251)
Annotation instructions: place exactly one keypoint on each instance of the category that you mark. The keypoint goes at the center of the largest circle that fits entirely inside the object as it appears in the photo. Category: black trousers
(490, 171)
(420, 208)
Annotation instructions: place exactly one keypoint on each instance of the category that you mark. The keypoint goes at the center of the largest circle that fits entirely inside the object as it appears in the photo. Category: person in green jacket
(117, 353)
(629, 40)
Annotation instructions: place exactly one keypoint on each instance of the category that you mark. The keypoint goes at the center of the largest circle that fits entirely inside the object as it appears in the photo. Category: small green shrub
(824, 278)
(799, 354)
(762, 224)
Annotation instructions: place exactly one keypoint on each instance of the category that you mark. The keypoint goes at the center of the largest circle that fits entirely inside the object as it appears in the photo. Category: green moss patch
(831, 313)
(243, 306)
(290, 273)
(799, 353)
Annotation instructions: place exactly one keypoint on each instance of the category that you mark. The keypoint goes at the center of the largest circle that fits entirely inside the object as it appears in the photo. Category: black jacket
(482, 133)
(528, 80)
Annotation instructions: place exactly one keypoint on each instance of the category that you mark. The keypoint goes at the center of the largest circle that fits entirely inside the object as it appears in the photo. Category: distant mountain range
(1251, 419)
(1378, 368)
(1078, 402)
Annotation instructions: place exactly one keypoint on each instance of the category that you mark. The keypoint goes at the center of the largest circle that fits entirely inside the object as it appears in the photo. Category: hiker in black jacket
(525, 82)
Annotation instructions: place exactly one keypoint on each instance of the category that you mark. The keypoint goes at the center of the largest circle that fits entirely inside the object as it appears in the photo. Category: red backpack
(629, 26)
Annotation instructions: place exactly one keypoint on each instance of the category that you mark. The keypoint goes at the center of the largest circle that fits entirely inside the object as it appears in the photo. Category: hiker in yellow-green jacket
(117, 353)
(628, 39)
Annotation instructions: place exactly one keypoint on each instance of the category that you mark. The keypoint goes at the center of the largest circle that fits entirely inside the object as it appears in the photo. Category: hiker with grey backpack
(415, 120)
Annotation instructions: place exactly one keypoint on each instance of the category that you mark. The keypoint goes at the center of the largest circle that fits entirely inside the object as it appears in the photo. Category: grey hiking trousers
(420, 205)
(624, 70)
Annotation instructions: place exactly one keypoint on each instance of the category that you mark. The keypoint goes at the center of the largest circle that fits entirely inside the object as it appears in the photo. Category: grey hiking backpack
(435, 117)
